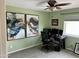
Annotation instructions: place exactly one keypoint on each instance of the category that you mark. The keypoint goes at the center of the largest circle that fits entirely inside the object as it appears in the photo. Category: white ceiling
(33, 4)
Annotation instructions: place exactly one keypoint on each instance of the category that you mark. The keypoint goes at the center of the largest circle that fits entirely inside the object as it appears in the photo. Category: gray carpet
(36, 52)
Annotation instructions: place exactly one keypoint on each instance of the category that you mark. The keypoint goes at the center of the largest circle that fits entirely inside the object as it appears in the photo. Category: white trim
(70, 35)
(24, 48)
(69, 49)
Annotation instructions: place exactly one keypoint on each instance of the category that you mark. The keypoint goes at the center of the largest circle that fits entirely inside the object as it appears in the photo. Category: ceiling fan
(54, 4)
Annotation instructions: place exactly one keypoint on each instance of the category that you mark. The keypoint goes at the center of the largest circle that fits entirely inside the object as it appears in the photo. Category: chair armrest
(63, 37)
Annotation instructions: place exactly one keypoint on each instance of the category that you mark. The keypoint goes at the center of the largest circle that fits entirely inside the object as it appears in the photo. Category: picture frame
(76, 49)
(32, 25)
(15, 23)
(54, 22)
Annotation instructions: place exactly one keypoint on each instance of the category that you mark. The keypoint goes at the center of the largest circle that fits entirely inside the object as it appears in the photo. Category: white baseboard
(24, 48)
(69, 49)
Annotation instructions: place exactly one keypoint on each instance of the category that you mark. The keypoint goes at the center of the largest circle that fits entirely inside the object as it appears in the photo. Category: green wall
(23, 43)
(70, 41)
(44, 21)
(56, 15)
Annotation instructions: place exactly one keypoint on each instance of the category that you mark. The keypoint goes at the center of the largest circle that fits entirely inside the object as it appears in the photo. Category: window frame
(67, 34)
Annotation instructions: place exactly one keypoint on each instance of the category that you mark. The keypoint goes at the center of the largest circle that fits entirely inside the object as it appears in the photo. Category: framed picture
(32, 25)
(15, 25)
(76, 49)
(54, 22)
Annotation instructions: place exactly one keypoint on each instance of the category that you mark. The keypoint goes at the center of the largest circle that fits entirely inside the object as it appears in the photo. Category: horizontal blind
(71, 28)
(71, 17)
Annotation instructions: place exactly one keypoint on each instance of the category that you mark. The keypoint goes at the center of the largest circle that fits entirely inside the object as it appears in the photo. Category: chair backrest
(54, 31)
(44, 36)
(60, 32)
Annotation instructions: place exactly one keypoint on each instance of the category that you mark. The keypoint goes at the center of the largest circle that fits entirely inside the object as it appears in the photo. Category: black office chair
(53, 39)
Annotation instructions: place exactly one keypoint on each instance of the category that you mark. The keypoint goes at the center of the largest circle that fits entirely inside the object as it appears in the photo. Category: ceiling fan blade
(46, 8)
(62, 4)
(50, 8)
(57, 7)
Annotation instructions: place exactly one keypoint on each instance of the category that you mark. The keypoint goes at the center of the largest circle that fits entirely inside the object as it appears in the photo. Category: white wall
(3, 50)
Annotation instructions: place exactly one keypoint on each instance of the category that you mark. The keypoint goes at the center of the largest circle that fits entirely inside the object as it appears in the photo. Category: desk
(62, 39)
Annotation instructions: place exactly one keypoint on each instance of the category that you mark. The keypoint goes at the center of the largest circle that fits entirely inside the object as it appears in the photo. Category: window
(71, 28)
